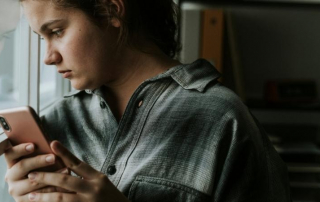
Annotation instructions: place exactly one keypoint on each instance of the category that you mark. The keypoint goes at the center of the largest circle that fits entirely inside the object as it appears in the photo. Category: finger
(67, 182)
(14, 153)
(45, 197)
(54, 197)
(51, 189)
(79, 167)
(55, 189)
(22, 187)
(23, 167)
(4, 145)
(48, 189)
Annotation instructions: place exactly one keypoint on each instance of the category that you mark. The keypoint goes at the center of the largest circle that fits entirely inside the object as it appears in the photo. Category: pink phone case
(22, 125)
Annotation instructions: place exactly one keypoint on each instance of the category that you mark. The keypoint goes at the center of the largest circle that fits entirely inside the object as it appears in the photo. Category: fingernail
(29, 148)
(32, 196)
(50, 159)
(32, 176)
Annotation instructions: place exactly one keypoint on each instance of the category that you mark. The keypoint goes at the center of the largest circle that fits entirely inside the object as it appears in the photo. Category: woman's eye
(57, 33)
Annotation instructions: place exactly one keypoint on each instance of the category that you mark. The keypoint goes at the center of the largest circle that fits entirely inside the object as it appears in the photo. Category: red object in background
(291, 91)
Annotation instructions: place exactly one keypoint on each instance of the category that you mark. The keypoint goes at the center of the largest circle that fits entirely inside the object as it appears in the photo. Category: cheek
(73, 51)
(85, 50)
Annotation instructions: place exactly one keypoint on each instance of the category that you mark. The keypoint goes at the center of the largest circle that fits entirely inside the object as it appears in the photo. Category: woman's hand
(18, 169)
(93, 186)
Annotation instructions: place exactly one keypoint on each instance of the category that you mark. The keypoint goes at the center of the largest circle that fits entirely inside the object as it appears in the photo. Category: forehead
(39, 12)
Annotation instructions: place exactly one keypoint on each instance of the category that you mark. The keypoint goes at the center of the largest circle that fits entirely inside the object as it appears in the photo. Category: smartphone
(23, 125)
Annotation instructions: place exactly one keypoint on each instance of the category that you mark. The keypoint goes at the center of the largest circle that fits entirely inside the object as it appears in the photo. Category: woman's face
(81, 51)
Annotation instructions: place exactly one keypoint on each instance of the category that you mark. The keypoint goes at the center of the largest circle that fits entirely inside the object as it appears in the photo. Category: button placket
(111, 170)
(141, 103)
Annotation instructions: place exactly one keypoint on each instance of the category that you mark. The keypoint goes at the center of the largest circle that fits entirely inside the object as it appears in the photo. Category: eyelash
(56, 33)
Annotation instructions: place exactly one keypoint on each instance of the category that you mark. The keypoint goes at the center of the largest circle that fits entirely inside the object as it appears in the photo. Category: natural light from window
(9, 96)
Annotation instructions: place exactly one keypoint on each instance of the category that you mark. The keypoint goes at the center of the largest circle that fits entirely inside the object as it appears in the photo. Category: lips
(65, 73)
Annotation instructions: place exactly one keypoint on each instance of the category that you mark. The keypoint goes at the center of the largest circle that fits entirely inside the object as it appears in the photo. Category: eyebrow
(45, 26)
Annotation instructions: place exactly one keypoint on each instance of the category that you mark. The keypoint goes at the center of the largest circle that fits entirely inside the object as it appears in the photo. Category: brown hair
(156, 20)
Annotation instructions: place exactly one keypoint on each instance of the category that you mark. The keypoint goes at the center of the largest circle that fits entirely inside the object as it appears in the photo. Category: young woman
(145, 126)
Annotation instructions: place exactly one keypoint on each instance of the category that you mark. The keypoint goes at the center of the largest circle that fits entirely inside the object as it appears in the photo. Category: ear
(115, 22)
(117, 11)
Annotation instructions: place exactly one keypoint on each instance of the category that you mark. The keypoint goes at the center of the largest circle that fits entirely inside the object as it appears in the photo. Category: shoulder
(198, 83)
(218, 101)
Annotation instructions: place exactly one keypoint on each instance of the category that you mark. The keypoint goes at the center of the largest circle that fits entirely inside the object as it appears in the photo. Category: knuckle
(34, 184)
(64, 179)
(76, 164)
(11, 190)
(40, 176)
(6, 177)
(21, 164)
(104, 179)
(59, 197)
(98, 190)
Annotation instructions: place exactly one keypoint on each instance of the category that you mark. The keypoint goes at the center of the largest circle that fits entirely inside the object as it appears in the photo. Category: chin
(83, 86)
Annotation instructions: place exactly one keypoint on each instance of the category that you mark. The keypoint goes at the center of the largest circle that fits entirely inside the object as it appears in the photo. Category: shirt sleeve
(250, 169)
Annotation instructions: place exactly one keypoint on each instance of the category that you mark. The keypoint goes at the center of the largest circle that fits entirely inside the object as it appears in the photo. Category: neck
(134, 68)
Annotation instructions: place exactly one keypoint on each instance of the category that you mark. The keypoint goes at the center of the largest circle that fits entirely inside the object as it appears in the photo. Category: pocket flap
(150, 189)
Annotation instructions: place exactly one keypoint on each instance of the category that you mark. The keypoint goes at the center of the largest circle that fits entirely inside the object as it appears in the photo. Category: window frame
(29, 70)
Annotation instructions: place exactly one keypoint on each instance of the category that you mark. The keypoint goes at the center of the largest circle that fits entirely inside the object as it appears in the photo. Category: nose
(52, 57)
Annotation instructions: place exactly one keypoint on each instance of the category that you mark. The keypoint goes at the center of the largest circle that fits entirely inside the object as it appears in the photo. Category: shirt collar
(72, 93)
(196, 75)
(97, 91)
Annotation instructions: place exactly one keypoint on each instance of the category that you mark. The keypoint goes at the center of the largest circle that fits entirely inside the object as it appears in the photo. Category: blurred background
(269, 53)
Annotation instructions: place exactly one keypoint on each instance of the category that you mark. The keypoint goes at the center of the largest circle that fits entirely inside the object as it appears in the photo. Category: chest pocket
(148, 189)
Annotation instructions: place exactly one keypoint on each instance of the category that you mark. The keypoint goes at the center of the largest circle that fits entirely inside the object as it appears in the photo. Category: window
(52, 85)
(9, 96)
(25, 80)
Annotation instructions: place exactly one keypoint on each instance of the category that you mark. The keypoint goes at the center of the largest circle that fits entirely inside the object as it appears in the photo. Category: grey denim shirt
(184, 137)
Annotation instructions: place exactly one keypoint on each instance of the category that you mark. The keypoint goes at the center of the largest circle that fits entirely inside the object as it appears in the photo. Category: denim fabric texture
(184, 137)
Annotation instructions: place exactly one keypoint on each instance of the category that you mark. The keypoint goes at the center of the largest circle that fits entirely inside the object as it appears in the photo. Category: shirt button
(140, 103)
(111, 170)
(102, 104)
